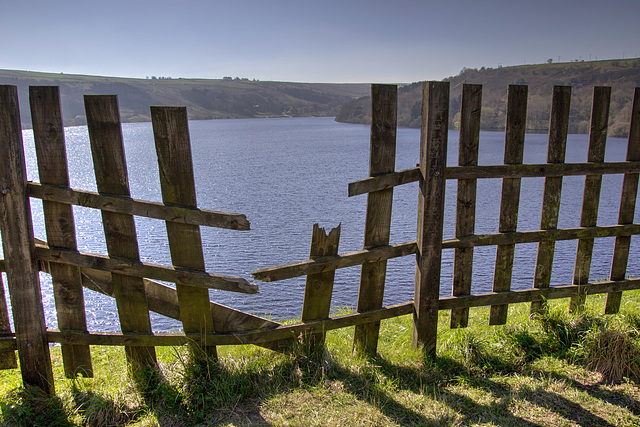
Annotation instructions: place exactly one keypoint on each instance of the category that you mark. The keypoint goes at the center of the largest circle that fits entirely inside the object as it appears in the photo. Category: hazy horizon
(324, 42)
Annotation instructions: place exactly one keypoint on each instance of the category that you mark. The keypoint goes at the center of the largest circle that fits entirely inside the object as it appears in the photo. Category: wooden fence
(132, 283)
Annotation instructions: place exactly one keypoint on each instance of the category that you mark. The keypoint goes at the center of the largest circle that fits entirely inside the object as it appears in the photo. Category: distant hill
(622, 75)
(204, 98)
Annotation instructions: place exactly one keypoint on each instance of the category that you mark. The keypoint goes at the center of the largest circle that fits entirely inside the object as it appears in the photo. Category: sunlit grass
(557, 369)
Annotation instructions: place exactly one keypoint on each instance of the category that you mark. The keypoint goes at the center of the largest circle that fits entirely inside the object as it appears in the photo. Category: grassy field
(554, 370)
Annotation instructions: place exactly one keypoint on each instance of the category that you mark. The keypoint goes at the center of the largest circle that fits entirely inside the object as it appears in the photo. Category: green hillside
(622, 75)
(204, 98)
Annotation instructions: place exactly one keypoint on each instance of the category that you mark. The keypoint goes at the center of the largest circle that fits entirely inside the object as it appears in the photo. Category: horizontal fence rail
(542, 170)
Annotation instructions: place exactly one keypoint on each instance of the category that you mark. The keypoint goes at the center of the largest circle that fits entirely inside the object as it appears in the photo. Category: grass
(555, 369)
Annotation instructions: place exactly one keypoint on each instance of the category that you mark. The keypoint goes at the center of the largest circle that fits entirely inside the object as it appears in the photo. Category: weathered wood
(433, 159)
(513, 154)
(48, 134)
(302, 268)
(107, 148)
(383, 182)
(318, 265)
(163, 300)
(558, 130)
(137, 269)
(541, 170)
(592, 185)
(542, 235)
(285, 332)
(171, 134)
(627, 208)
(18, 246)
(466, 197)
(530, 295)
(382, 159)
(319, 287)
(143, 208)
(7, 358)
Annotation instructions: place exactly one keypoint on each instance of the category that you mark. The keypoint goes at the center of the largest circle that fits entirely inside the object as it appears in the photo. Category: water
(287, 174)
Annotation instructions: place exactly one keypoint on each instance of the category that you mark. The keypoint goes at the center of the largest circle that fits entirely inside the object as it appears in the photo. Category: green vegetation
(622, 75)
(555, 370)
(204, 98)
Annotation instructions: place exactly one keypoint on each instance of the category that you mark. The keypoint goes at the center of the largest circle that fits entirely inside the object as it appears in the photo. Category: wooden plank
(107, 148)
(137, 269)
(319, 286)
(18, 247)
(163, 300)
(433, 159)
(592, 185)
(292, 331)
(171, 134)
(533, 294)
(143, 208)
(513, 154)
(7, 358)
(302, 268)
(382, 159)
(627, 208)
(284, 332)
(320, 264)
(383, 182)
(466, 197)
(48, 134)
(541, 170)
(558, 130)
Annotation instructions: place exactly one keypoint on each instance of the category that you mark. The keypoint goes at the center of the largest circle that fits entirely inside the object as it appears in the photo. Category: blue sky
(309, 41)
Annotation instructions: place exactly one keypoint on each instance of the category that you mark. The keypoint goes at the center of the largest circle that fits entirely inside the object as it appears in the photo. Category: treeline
(204, 98)
(622, 75)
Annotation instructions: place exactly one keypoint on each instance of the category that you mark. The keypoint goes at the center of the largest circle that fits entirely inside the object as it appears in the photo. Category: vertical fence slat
(513, 154)
(592, 186)
(558, 130)
(466, 198)
(105, 134)
(378, 218)
(171, 134)
(19, 249)
(627, 208)
(48, 134)
(319, 287)
(7, 358)
(433, 160)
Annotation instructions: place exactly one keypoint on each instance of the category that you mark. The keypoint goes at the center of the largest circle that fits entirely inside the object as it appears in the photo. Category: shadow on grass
(30, 406)
(498, 412)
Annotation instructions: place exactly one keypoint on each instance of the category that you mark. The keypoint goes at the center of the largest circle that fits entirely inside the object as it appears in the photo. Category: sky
(345, 41)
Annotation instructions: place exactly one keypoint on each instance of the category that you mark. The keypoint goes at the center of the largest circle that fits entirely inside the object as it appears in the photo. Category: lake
(286, 174)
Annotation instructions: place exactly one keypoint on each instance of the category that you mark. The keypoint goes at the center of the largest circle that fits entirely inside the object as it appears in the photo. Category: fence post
(592, 186)
(7, 357)
(466, 203)
(319, 287)
(558, 130)
(48, 134)
(173, 146)
(433, 159)
(627, 208)
(384, 107)
(19, 249)
(107, 149)
(513, 154)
